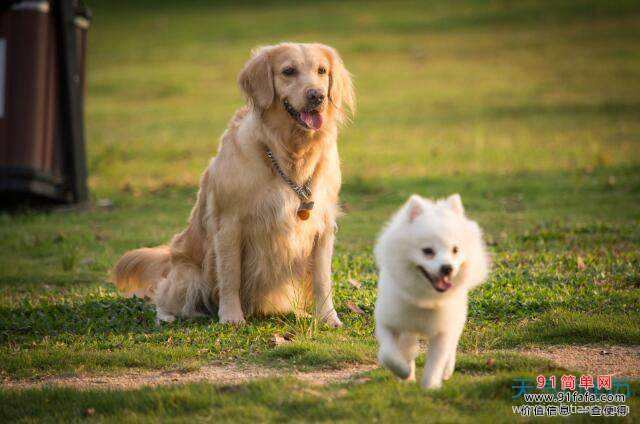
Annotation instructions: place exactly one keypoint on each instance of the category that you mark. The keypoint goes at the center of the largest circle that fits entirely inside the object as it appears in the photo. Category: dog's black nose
(446, 269)
(314, 97)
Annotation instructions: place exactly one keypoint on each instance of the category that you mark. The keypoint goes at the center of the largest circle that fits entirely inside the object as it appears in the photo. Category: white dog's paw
(431, 383)
(331, 319)
(231, 317)
(449, 368)
(412, 372)
(395, 364)
(448, 372)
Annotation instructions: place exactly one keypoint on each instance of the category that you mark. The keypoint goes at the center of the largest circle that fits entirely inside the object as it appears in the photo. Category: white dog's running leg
(322, 286)
(437, 356)
(451, 357)
(390, 355)
(451, 365)
(408, 345)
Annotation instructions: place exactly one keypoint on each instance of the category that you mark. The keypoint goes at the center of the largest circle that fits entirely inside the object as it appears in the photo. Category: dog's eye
(322, 70)
(288, 71)
(428, 251)
(455, 250)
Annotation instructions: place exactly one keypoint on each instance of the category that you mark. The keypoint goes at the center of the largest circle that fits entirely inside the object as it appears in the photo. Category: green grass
(529, 109)
(477, 393)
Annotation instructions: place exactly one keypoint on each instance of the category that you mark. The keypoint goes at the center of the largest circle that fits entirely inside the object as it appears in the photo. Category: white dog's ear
(455, 203)
(341, 92)
(256, 79)
(415, 207)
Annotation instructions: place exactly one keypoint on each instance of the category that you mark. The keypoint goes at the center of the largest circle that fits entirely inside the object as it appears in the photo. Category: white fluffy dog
(430, 255)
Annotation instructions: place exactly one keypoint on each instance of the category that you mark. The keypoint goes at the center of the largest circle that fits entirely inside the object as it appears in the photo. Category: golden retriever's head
(307, 82)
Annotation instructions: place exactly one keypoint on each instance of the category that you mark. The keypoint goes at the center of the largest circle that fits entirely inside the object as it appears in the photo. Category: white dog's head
(433, 244)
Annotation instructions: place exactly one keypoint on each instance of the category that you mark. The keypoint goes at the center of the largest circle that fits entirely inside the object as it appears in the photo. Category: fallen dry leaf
(277, 340)
(355, 283)
(580, 263)
(354, 308)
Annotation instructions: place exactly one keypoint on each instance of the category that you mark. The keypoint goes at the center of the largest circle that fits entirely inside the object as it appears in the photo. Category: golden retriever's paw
(236, 318)
(234, 321)
(162, 316)
(334, 322)
(331, 319)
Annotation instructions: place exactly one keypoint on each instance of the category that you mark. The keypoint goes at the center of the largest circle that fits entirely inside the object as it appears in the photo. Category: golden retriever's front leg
(322, 285)
(227, 246)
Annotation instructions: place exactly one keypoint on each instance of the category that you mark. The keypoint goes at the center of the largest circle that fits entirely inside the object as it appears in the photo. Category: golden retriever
(252, 245)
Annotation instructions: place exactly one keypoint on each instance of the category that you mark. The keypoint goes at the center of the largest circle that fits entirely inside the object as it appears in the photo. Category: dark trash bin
(42, 78)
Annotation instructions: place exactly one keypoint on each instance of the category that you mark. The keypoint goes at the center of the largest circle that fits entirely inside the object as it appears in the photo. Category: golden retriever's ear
(341, 92)
(256, 79)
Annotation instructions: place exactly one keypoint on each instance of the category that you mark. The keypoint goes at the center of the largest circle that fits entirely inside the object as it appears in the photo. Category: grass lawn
(530, 110)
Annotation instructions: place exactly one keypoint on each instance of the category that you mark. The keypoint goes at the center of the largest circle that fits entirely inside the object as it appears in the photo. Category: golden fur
(244, 249)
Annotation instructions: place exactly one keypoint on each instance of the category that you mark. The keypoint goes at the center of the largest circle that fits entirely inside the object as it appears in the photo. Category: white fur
(408, 305)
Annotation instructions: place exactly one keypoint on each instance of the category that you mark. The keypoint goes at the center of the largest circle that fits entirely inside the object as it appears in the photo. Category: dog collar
(303, 192)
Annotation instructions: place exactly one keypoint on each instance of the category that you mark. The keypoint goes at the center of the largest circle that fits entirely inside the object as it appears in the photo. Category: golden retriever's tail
(139, 271)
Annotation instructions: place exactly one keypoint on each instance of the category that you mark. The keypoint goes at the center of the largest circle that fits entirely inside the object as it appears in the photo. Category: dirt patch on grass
(217, 374)
(622, 361)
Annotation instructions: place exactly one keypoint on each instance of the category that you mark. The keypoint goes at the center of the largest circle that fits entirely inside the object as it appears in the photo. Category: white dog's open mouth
(309, 119)
(441, 284)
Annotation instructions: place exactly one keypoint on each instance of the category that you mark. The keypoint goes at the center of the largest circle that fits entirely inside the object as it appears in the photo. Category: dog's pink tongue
(443, 284)
(312, 119)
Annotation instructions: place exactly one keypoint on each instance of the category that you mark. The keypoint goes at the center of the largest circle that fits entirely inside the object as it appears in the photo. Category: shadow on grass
(413, 17)
(601, 198)
(563, 326)
(266, 400)
(319, 354)
(449, 114)
(91, 317)
(559, 326)
(474, 394)
(491, 189)
(59, 360)
(605, 109)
